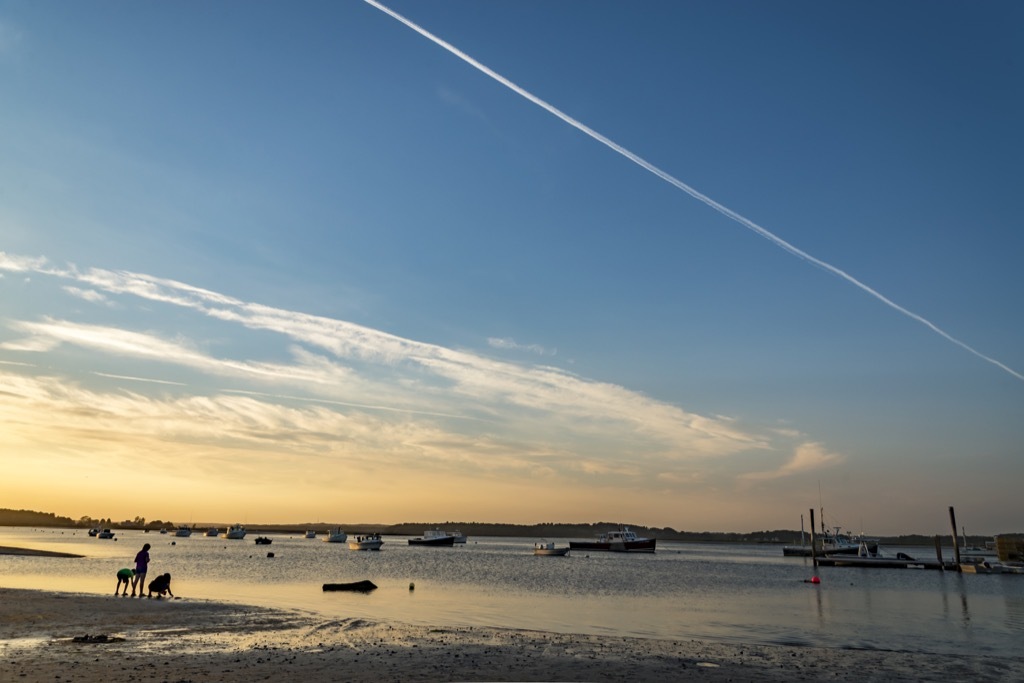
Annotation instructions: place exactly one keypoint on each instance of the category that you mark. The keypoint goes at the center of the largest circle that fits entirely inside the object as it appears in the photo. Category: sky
(696, 265)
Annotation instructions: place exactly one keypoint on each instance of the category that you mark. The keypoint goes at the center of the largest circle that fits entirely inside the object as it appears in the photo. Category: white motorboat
(549, 549)
(105, 533)
(370, 542)
(335, 535)
(235, 532)
(183, 531)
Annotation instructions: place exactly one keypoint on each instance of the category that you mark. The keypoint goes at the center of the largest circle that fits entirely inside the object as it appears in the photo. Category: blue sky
(306, 246)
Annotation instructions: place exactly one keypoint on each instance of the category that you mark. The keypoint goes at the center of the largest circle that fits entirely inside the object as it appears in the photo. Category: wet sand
(195, 640)
(10, 550)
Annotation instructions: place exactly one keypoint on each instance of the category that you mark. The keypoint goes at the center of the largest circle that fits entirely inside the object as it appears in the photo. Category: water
(733, 593)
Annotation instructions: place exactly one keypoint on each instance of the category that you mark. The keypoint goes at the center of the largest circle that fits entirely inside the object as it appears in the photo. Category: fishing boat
(433, 538)
(621, 540)
(457, 536)
(235, 532)
(183, 531)
(336, 535)
(370, 542)
(105, 533)
(549, 549)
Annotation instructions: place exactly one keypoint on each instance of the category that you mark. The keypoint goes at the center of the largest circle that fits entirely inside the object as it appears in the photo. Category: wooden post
(956, 543)
(814, 553)
(938, 551)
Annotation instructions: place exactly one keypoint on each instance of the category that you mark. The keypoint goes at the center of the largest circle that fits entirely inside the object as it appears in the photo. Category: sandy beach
(193, 640)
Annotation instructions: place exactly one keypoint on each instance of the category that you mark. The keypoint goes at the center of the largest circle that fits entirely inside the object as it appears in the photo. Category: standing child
(141, 564)
(124, 576)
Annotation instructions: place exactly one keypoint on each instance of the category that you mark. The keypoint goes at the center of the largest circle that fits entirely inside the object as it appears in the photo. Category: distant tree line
(32, 518)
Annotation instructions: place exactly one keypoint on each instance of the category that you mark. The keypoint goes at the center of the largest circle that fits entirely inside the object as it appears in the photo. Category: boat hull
(374, 544)
(645, 545)
(442, 541)
(551, 552)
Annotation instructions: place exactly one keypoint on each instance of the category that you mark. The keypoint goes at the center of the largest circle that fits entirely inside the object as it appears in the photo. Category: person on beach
(124, 576)
(160, 585)
(141, 564)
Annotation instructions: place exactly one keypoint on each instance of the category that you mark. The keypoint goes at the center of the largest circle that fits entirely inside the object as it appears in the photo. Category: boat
(622, 540)
(336, 535)
(105, 533)
(183, 531)
(163, 531)
(311, 534)
(457, 536)
(95, 531)
(978, 565)
(833, 541)
(212, 531)
(263, 540)
(549, 549)
(434, 538)
(370, 542)
(235, 532)
(868, 555)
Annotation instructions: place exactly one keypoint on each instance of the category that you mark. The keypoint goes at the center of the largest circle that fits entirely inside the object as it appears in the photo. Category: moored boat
(311, 534)
(457, 536)
(370, 542)
(95, 531)
(434, 539)
(549, 549)
(235, 532)
(105, 533)
(212, 531)
(336, 535)
(263, 540)
(621, 540)
(183, 531)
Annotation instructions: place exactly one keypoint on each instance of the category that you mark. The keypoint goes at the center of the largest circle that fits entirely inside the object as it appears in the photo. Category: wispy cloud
(337, 377)
(90, 295)
(724, 210)
(139, 379)
(507, 344)
(807, 458)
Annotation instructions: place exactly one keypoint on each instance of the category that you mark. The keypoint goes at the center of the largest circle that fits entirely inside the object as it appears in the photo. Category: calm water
(713, 592)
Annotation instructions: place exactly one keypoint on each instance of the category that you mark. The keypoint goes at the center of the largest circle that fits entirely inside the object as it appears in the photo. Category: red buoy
(815, 579)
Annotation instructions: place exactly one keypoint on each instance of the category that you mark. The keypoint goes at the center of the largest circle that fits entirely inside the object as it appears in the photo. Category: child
(124, 576)
(141, 564)
(160, 585)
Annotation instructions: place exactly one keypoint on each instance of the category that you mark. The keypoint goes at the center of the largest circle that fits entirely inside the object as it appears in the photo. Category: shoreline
(11, 550)
(199, 640)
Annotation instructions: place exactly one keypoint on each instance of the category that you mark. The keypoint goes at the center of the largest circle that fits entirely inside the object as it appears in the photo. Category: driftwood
(362, 586)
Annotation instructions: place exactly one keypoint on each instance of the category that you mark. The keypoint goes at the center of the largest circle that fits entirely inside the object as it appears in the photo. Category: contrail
(724, 210)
